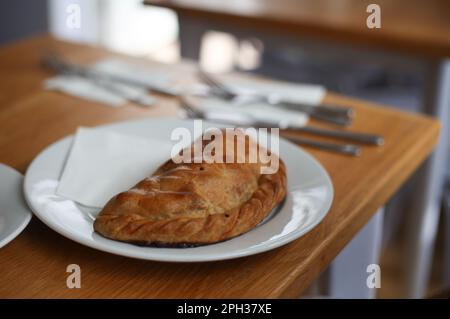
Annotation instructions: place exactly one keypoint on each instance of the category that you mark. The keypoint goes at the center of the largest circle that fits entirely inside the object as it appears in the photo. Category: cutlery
(362, 138)
(131, 94)
(348, 149)
(330, 113)
(107, 80)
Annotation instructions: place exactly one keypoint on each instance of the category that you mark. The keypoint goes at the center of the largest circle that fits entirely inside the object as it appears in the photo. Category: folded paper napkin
(300, 93)
(148, 75)
(112, 94)
(80, 87)
(218, 109)
(103, 163)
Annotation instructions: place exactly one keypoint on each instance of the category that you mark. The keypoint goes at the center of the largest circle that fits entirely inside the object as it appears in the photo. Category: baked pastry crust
(195, 203)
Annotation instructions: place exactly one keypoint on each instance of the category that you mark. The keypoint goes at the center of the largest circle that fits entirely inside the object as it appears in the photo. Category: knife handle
(347, 149)
(344, 135)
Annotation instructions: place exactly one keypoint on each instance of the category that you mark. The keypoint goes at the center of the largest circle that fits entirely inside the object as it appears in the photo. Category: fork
(329, 113)
(133, 94)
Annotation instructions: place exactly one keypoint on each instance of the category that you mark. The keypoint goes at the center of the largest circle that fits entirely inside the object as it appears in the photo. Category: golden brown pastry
(195, 203)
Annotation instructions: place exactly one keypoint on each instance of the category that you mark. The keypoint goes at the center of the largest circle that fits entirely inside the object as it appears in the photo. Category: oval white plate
(310, 193)
(14, 213)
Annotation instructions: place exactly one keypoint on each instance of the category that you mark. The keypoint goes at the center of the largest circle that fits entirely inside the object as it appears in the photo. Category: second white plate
(14, 213)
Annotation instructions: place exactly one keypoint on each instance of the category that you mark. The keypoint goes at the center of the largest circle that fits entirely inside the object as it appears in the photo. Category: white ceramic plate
(14, 213)
(309, 198)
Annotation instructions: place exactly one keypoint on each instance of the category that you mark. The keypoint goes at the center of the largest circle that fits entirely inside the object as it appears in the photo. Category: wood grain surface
(34, 264)
(412, 26)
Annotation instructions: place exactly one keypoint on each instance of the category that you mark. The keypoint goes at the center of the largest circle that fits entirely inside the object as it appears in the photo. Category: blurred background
(387, 77)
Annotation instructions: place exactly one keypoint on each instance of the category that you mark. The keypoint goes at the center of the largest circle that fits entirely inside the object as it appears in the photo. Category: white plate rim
(25, 221)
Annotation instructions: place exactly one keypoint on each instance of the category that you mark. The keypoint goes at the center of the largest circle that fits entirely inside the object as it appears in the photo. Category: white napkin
(80, 87)
(218, 109)
(114, 94)
(156, 75)
(301, 93)
(104, 163)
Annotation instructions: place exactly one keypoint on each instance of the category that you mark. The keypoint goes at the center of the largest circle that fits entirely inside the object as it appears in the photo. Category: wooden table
(34, 264)
(412, 26)
(408, 27)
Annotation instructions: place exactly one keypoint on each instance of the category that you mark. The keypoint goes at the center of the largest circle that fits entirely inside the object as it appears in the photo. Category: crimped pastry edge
(259, 201)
